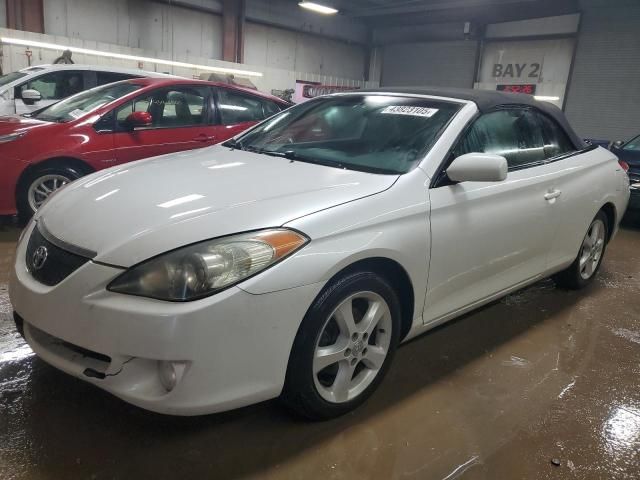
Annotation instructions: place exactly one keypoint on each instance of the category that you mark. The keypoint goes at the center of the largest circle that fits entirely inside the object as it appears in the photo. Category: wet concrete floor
(542, 375)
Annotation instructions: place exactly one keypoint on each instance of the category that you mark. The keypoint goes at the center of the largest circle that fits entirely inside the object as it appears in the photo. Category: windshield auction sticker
(77, 113)
(409, 110)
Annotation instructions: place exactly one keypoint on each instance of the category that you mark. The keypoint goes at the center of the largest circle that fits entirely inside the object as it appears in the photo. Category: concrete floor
(543, 374)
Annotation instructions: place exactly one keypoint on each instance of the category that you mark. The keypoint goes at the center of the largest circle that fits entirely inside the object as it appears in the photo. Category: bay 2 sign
(516, 70)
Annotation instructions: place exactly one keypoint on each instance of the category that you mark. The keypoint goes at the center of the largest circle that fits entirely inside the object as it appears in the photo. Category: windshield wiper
(233, 144)
(296, 157)
(264, 151)
(293, 156)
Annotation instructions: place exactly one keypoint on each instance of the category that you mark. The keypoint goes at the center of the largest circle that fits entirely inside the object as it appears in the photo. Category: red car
(115, 124)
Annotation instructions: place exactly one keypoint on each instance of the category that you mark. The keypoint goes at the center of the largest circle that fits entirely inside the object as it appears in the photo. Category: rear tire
(36, 187)
(343, 347)
(587, 264)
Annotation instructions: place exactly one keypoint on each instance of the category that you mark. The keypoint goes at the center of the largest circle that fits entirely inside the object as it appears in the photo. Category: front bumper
(234, 345)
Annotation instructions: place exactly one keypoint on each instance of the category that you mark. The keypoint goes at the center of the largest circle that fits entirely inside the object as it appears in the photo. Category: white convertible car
(292, 260)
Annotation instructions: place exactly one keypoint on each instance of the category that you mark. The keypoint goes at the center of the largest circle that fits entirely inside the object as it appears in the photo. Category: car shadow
(631, 220)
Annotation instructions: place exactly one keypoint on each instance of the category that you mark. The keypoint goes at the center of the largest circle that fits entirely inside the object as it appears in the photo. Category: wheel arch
(398, 278)
(75, 163)
(610, 211)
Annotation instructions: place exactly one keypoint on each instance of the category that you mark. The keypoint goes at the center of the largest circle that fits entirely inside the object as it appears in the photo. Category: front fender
(393, 224)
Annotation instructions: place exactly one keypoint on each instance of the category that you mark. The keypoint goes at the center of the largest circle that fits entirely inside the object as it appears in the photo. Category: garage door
(440, 64)
(604, 95)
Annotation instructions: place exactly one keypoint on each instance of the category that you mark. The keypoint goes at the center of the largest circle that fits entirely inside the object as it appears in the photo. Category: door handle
(205, 138)
(552, 194)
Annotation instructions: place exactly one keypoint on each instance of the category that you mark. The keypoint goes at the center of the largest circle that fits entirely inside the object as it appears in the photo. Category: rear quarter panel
(588, 181)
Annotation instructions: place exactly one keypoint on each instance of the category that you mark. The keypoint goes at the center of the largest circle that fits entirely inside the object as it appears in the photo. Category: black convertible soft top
(487, 100)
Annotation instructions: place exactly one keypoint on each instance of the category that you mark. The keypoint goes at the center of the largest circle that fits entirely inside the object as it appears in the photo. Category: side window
(55, 85)
(175, 107)
(140, 104)
(513, 133)
(102, 78)
(183, 106)
(269, 108)
(105, 124)
(238, 108)
(556, 141)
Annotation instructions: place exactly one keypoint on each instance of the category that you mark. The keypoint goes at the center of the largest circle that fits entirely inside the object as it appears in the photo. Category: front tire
(39, 184)
(343, 347)
(587, 264)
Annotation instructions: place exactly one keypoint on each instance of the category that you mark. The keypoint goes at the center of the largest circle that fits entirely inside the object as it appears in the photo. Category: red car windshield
(79, 105)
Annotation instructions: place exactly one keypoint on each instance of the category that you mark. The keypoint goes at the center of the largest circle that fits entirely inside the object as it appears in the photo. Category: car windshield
(374, 133)
(10, 77)
(78, 105)
(633, 145)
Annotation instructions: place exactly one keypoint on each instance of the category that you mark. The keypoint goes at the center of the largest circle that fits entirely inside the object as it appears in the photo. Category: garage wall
(278, 34)
(14, 58)
(269, 46)
(445, 63)
(603, 100)
(139, 24)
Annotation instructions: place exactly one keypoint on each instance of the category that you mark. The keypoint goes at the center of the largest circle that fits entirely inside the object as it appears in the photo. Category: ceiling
(381, 13)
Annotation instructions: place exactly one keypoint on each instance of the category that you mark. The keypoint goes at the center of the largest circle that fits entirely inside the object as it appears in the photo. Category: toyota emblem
(39, 257)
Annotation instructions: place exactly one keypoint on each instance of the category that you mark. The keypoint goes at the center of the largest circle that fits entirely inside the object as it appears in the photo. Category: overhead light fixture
(316, 7)
(122, 56)
(542, 98)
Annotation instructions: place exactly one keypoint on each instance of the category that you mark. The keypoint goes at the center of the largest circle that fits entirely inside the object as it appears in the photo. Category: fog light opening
(170, 373)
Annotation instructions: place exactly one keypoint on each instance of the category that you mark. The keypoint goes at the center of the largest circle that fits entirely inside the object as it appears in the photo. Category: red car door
(180, 120)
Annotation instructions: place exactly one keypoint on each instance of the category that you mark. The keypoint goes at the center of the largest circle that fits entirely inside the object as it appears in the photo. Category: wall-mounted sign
(516, 70)
(529, 88)
(536, 67)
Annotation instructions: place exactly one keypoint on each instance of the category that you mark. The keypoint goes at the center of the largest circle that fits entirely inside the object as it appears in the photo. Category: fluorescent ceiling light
(316, 7)
(122, 56)
(542, 98)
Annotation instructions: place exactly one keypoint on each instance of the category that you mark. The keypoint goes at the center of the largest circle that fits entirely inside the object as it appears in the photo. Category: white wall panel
(563, 24)
(138, 24)
(280, 48)
(14, 58)
(543, 63)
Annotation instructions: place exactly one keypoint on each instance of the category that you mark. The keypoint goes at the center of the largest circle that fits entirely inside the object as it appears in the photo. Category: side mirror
(138, 120)
(617, 144)
(478, 167)
(30, 96)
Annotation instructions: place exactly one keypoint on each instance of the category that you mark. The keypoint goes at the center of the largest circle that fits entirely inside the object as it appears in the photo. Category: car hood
(132, 212)
(14, 123)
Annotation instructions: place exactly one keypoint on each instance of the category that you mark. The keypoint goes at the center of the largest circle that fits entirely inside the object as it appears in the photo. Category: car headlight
(11, 137)
(205, 268)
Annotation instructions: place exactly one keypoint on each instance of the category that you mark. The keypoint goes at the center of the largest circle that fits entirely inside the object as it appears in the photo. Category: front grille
(48, 263)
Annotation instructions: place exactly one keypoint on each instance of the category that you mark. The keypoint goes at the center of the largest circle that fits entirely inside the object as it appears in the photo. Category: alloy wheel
(43, 187)
(352, 347)
(592, 248)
